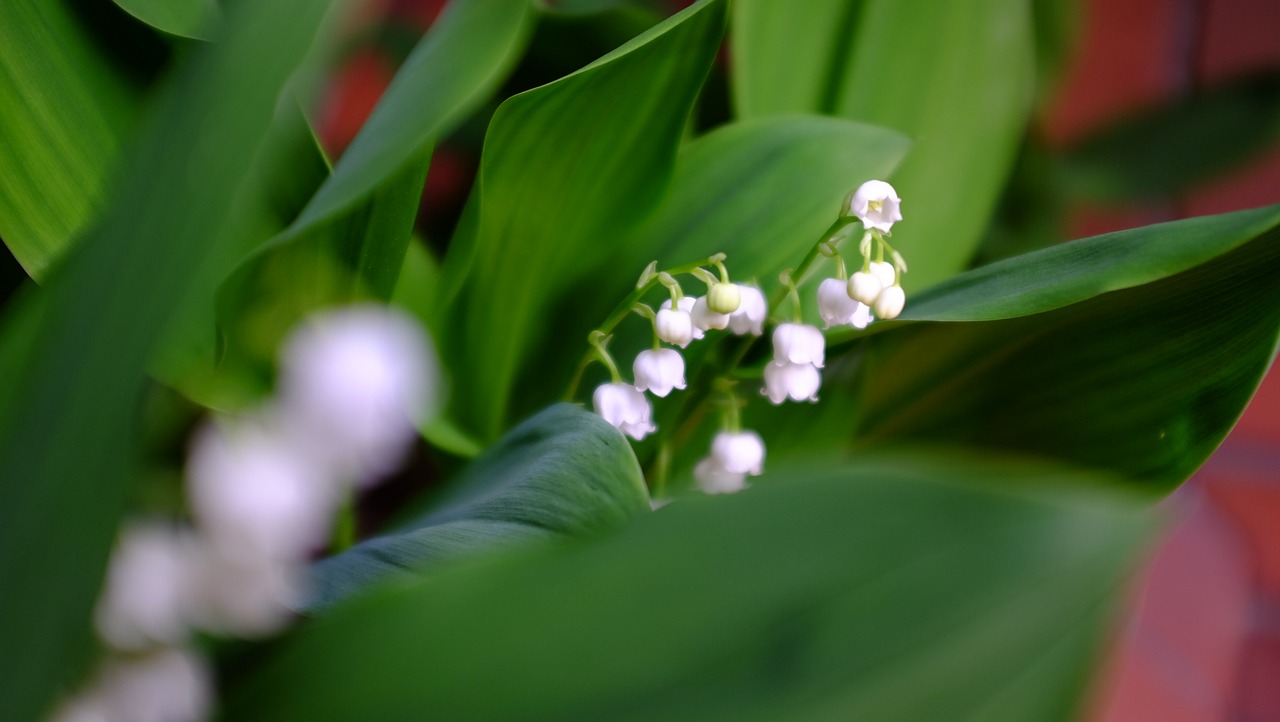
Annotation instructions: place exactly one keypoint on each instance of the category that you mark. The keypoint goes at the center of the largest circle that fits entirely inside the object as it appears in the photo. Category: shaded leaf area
(579, 7)
(1168, 149)
(568, 168)
(960, 86)
(563, 473)
(101, 316)
(186, 18)
(805, 597)
(66, 113)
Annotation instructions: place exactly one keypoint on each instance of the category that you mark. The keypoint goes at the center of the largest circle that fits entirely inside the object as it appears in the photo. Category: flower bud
(885, 273)
(723, 297)
(674, 327)
(626, 408)
(706, 319)
(834, 304)
(864, 287)
(799, 382)
(876, 204)
(659, 371)
(798, 343)
(739, 453)
(890, 302)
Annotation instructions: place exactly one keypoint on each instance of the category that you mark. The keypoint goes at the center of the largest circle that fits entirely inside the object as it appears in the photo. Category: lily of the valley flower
(864, 287)
(659, 371)
(877, 205)
(715, 479)
(686, 306)
(884, 273)
(798, 343)
(674, 326)
(626, 408)
(751, 313)
(724, 298)
(706, 319)
(148, 591)
(739, 452)
(861, 317)
(834, 304)
(890, 302)
(798, 382)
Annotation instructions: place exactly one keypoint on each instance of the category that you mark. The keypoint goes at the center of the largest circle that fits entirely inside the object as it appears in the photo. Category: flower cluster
(263, 490)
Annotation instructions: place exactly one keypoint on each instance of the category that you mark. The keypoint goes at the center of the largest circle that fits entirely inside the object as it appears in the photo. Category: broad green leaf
(65, 417)
(887, 590)
(187, 18)
(578, 7)
(563, 473)
(66, 110)
(1169, 149)
(567, 169)
(959, 84)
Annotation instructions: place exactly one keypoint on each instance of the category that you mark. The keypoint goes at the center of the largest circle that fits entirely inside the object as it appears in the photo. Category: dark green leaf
(567, 169)
(885, 591)
(187, 18)
(65, 416)
(563, 473)
(66, 111)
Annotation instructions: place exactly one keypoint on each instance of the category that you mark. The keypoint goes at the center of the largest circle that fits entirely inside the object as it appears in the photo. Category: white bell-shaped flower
(626, 408)
(864, 287)
(166, 685)
(359, 380)
(148, 590)
(685, 305)
(798, 343)
(246, 595)
(659, 371)
(799, 382)
(861, 317)
(890, 302)
(674, 326)
(712, 478)
(834, 304)
(884, 273)
(877, 205)
(706, 319)
(751, 313)
(739, 453)
(251, 486)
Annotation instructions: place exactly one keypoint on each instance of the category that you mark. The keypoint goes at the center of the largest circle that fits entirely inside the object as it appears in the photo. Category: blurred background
(1147, 111)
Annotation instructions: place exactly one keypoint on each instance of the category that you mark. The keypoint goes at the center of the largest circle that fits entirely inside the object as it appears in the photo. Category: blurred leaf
(66, 111)
(563, 473)
(567, 168)
(1143, 350)
(959, 84)
(187, 18)
(1057, 28)
(417, 287)
(65, 416)
(1170, 149)
(888, 591)
(577, 7)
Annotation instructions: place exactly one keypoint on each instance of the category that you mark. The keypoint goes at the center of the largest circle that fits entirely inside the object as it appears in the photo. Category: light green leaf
(66, 110)
(787, 58)
(563, 473)
(889, 590)
(66, 416)
(187, 18)
(567, 169)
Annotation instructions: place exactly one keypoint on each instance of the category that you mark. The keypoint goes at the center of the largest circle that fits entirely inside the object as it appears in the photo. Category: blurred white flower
(751, 313)
(890, 302)
(87, 706)
(834, 304)
(862, 317)
(739, 453)
(884, 273)
(686, 305)
(246, 595)
(166, 685)
(798, 343)
(147, 595)
(358, 381)
(724, 298)
(626, 408)
(877, 205)
(864, 287)
(674, 326)
(250, 486)
(659, 371)
(799, 382)
(706, 319)
(715, 479)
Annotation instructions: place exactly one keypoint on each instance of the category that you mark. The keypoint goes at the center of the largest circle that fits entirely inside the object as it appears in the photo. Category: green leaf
(186, 18)
(563, 473)
(66, 415)
(1141, 350)
(886, 590)
(567, 169)
(1170, 149)
(66, 112)
(959, 84)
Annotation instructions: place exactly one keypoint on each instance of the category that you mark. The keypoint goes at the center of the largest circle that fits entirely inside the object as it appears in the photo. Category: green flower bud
(724, 298)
